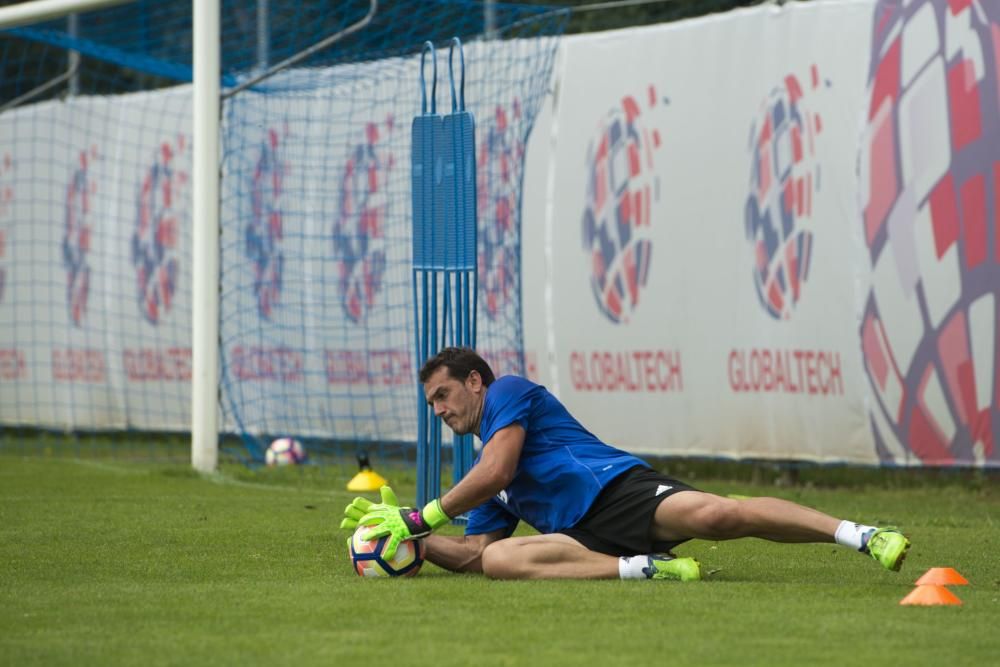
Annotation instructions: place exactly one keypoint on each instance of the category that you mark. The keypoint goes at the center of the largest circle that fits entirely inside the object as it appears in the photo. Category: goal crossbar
(25, 13)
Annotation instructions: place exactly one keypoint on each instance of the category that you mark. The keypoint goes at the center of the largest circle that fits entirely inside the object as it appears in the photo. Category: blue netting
(155, 35)
(317, 302)
(317, 315)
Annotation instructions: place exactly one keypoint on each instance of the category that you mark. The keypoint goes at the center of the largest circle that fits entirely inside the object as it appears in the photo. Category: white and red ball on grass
(285, 451)
(369, 561)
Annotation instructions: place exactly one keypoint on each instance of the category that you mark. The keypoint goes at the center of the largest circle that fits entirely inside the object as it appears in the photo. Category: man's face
(458, 403)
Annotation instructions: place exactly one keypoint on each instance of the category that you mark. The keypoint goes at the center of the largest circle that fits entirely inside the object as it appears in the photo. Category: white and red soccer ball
(368, 556)
(285, 451)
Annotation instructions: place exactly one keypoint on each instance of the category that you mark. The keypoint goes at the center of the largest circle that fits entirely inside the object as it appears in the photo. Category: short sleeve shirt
(563, 466)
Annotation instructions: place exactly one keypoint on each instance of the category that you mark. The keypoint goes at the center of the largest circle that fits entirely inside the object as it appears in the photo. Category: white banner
(96, 312)
(770, 233)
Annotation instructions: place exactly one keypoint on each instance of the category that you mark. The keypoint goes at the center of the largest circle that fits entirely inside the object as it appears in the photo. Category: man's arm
(491, 475)
(460, 554)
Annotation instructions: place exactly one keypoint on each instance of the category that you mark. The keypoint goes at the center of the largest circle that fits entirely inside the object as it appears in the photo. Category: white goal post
(24, 13)
(205, 243)
(205, 205)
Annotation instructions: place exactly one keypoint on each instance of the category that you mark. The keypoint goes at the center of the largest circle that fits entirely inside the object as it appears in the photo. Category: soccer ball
(285, 451)
(369, 561)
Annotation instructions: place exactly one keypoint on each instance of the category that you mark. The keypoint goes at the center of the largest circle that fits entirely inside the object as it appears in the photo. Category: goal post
(205, 242)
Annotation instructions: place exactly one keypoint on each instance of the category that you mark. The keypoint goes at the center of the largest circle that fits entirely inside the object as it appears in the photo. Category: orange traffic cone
(942, 576)
(930, 594)
(931, 589)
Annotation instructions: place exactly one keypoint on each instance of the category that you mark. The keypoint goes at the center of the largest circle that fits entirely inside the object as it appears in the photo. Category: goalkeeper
(602, 512)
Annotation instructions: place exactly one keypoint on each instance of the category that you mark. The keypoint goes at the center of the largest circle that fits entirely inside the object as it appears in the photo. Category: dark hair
(460, 362)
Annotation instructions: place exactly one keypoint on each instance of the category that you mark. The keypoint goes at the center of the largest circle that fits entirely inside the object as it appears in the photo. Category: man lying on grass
(602, 512)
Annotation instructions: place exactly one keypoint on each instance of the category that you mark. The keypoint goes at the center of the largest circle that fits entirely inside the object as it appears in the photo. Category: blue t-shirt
(562, 469)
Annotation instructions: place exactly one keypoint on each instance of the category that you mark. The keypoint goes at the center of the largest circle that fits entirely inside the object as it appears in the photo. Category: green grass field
(125, 563)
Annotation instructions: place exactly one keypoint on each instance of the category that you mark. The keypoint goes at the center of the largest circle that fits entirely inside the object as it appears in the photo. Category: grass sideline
(115, 563)
(339, 457)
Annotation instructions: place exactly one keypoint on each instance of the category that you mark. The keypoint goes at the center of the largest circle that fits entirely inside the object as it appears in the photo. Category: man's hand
(359, 507)
(399, 523)
(388, 518)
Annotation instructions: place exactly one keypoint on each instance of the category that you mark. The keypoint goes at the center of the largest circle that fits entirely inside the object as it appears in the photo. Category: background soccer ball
(369, 561)
(285, 451)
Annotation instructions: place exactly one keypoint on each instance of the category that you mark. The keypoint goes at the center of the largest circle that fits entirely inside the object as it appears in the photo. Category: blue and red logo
(929, 180)
(500, 159)
(359, 245)
(78, 235)
(155, 243)
(785, 176)
(264, 228)
(622, 186)
(6, 197)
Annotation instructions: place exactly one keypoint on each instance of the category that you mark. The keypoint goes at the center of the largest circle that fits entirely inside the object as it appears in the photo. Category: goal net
(316, 322)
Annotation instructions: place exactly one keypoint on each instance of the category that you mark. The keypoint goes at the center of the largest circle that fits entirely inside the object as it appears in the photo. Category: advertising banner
(770, 233)
(767, 234)
(97, 248)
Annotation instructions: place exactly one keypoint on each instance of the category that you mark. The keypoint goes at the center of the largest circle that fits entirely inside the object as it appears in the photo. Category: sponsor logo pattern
(501, 154)
(785, 175)
(6, 202)
(156, 241)
(264, 230)
(622, 186)
(929, 176)
(359, 241)
(78, 235)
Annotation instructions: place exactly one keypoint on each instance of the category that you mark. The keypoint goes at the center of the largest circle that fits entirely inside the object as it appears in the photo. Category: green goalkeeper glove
(388, 518)
(359, 507)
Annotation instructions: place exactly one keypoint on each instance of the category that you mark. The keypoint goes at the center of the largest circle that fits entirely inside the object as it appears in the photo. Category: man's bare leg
(554, 556)
(559, 556)
(694, 514)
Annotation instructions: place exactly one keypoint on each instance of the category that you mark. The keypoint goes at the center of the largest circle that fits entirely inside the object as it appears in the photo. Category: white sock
(853, 535)
(630, 567)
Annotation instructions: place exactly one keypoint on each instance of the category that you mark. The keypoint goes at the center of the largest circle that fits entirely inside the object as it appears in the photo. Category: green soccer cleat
(664, 566)
(888, 546)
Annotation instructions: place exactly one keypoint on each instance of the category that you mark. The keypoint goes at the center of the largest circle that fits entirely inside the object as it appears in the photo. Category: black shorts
(618, 523)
